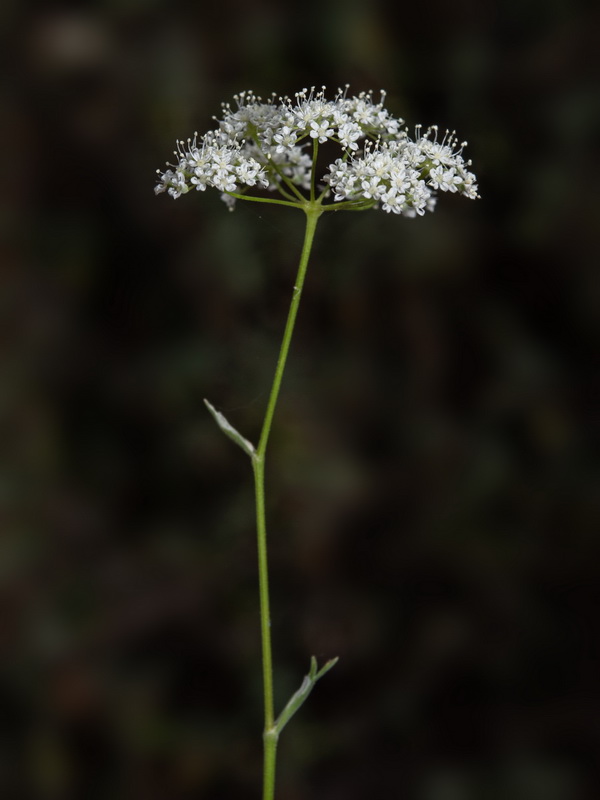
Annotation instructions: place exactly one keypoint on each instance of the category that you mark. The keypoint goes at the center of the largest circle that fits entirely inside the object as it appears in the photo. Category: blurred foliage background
(432, 508)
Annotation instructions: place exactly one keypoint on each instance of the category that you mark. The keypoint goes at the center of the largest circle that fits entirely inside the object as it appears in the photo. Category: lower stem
(270, 736)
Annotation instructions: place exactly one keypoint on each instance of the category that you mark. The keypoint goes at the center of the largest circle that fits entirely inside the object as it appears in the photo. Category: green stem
(270, 735)
(313, 170)
(313, 212)
(272, 200)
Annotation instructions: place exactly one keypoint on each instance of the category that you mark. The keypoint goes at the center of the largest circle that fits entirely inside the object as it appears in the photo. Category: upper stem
(313, 212)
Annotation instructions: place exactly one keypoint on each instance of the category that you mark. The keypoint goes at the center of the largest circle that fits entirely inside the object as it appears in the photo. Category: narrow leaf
(306, 687)
(229, 430)
(326, 667)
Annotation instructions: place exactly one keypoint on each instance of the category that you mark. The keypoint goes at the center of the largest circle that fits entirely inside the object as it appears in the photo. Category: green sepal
(230, 431)
(298, 698)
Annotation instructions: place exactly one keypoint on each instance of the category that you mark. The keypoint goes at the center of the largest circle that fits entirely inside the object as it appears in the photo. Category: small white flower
(165, 181)
(371, 188)
(308, 110)
(200, 181)
(398, 177)
(392, 201)
(224, 181)
(469, 188)
(446, 180)
(349, 133)
(178, 184)
(321, 130)
(339, 116)
(285, 138)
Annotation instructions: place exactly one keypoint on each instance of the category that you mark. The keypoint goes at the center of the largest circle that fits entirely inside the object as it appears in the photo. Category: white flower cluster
(263, 145)
(216, 160)
(403, 175)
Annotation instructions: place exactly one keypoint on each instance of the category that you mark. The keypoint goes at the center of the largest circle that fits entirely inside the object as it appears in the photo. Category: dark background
(431, 476)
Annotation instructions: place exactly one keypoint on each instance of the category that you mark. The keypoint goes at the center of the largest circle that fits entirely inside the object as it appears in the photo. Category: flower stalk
(273, 727)
(270, 732)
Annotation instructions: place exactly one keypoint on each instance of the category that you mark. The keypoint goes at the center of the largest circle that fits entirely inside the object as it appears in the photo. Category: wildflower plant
(268, 152)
